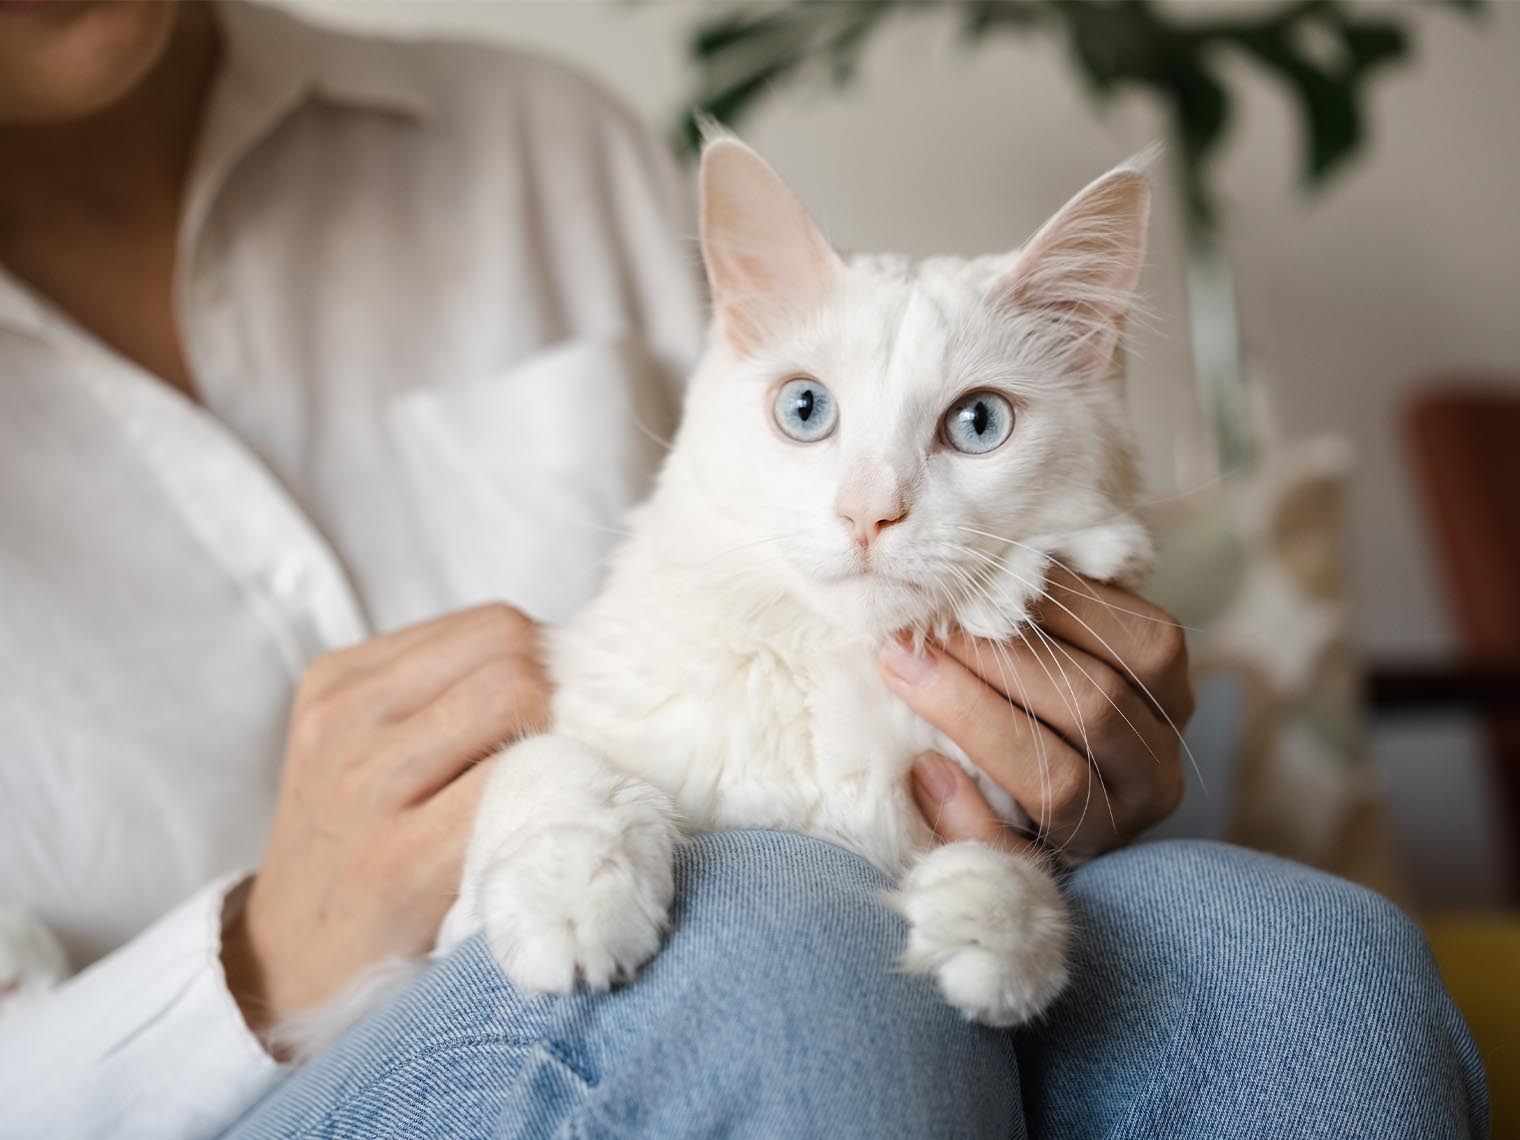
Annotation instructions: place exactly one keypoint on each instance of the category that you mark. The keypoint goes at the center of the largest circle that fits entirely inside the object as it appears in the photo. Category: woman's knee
(794, 933)
(1199, 958)
(779, 989)
(784, 911)
(1208, 909)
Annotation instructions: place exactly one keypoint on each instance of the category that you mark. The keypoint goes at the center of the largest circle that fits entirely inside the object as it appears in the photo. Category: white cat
(856, 435)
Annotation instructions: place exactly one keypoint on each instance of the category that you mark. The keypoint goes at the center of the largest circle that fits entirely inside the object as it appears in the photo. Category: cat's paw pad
(991, 929)
(585, 900)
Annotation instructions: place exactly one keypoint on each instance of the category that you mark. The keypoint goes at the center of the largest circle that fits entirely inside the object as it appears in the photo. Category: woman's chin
(66, 62)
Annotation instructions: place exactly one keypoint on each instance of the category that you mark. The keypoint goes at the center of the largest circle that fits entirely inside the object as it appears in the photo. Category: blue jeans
(1218, 994)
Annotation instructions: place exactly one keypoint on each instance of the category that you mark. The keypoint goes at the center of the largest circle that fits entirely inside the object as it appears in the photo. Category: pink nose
(867, 520)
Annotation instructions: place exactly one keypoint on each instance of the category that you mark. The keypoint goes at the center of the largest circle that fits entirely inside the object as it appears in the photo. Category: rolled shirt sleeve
(147, 1042)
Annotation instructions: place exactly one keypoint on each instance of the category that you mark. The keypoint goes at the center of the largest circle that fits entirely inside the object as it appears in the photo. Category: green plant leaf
(746, 53)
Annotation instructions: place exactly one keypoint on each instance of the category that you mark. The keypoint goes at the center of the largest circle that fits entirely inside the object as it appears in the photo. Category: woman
(305, 337)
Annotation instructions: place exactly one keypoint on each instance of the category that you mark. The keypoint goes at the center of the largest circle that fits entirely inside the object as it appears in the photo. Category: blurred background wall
(1406, 270)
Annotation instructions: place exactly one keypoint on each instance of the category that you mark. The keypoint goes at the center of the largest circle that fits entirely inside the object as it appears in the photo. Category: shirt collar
(283, 53)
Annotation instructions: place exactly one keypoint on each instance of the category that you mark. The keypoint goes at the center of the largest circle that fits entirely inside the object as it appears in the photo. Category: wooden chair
(1465, 441)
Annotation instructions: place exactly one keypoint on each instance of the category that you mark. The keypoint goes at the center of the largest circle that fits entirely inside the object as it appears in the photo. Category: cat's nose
(867, 517)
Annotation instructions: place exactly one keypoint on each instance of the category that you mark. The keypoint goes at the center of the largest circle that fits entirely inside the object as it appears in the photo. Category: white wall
(1407, 269)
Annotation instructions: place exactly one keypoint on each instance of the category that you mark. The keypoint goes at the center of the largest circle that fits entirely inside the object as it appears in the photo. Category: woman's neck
(127, 165)
(89, 210)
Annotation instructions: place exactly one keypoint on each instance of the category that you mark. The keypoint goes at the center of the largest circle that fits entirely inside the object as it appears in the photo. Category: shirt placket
(285, 567)
(285, 571)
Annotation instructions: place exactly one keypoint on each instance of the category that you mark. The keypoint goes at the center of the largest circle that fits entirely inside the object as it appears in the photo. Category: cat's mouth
(869, 575)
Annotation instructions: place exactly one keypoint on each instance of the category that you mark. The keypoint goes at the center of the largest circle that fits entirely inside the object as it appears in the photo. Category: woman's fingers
(364, 689)
(420, 674)
(955, 809)
(399, 672)
(1092, 705)
(1052, 782)
(1141, 641)
(500, 700)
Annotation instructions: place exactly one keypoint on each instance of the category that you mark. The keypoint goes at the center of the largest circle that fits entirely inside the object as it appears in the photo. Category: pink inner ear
(1081, 268)
(767, 262)
(739, 319)
(758, 295)
(743, 334)
(754, 271)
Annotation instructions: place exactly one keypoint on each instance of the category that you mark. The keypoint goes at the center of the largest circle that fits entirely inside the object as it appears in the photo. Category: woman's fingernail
(934, 776)
(907, 666)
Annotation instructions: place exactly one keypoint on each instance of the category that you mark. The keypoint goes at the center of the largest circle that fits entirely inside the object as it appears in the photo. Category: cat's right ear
(768, 264)
(1079, 271)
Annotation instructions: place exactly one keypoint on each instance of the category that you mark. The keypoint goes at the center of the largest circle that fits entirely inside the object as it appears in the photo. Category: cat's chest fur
(744, 721)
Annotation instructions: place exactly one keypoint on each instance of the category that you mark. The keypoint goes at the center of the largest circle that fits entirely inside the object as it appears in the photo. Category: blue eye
(978, 422)
(805, 410)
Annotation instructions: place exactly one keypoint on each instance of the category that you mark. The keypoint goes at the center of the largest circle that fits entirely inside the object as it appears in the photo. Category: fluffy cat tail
(302, 1037)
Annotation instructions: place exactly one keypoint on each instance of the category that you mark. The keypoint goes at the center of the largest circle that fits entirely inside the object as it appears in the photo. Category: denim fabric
(1224, 993)
(1219, 994)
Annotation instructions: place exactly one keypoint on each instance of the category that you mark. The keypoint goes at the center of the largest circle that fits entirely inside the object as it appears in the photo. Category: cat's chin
(871, 606)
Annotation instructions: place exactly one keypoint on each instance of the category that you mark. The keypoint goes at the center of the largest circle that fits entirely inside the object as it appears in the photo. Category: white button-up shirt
(432, 297)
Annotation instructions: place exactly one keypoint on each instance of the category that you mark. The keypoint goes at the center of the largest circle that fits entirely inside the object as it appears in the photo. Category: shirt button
(291, 577)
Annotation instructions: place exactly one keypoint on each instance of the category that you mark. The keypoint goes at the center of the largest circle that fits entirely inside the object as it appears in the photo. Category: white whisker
(1089, 593)
(1118, 659)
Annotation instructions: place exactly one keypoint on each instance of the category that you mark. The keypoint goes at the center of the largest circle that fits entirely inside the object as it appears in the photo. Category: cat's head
(904, 444)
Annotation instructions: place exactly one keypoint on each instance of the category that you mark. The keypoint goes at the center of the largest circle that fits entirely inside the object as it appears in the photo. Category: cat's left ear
(1079, 271)
(767, 262)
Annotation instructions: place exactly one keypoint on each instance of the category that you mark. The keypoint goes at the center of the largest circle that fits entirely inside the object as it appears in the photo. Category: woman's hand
(1080, 721)
(376, 802)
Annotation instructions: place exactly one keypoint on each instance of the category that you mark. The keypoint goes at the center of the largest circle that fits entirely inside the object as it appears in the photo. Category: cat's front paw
(584, 900)
(991, 929)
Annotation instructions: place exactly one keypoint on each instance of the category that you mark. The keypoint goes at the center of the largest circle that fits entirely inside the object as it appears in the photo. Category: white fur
(31, 960)
(304, 1035)
(990, 927)
(727, 673)
(572, 862)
